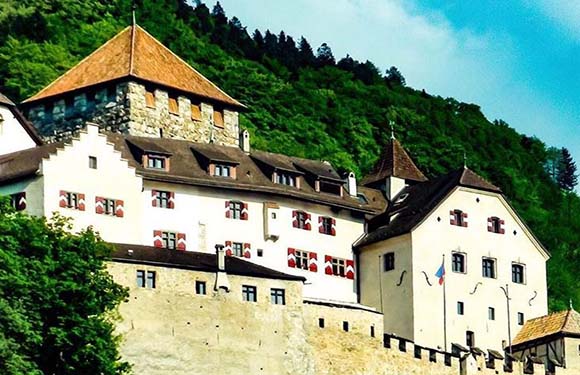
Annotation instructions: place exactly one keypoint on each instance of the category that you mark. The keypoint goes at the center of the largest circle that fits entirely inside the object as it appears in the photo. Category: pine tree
(394, 77)
(219, 14)
(324, 56)
(567, 177)
(305, 55)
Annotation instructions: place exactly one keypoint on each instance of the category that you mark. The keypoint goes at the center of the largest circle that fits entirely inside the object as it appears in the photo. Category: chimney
(245, 141)
(221, 257)
(351, 184)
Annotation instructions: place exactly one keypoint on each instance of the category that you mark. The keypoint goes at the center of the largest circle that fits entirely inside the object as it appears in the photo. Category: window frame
(521, 318)
(301, 217)
(302, 258)
(493, 267)
(286, 179)
(278, 296)
(460, 308)
(389, 261)
(463, 263)
(522, 274)
(72, 200)
(236, 208)
(491, 313)
(200, 287)
(249, 293)
(152, 160)
(166, 237)
(151, 280)
(220, 170)
(326, 225)
(93, 162)
(140, 279)
(458, 217)
(235, 246)
(338, 265)
(162, 198)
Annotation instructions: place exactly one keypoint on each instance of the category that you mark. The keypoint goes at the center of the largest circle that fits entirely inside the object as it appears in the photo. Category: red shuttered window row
(169, 240)
(236, 210)
(459, 218)
(306, 260)
(75, 201)
(238, 249)
(339, 267)
(109, 206)
(163, 199)
(303, 220)
(327, 225)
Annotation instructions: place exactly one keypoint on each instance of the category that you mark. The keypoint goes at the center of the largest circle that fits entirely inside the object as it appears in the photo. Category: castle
(240, 260)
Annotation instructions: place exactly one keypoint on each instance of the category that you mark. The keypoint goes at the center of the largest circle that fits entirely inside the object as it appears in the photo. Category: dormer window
(329, 187)
(222, 170)
(285, 179)
(156, 161)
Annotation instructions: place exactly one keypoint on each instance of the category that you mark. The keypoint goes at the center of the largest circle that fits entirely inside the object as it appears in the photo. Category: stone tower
(133, 84)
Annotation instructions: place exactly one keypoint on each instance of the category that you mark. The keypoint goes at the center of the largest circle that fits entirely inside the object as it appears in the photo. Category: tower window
(458, 262)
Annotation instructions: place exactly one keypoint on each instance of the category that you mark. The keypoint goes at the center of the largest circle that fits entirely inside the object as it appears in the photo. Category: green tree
(57, 301)
(567, 177)
(324, 56)
(394, 77)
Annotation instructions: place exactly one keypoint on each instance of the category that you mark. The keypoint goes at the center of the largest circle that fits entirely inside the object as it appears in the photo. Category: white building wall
(434, 238)
(200, 214)
(34, 189)
(69, 170)
(13, 137)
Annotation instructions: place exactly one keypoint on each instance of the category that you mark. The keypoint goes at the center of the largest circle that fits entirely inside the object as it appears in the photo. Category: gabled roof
(394, 162)
(193, 260)
(419, 200)
(566, 323)
(135, 53)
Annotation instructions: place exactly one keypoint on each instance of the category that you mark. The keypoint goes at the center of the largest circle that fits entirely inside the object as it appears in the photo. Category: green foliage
(307, 105)
(57, 302)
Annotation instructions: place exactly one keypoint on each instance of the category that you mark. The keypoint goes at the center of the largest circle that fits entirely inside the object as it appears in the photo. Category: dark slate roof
(216, 154)
(192, 260)
(394, 162)
(148, 145)
(275, 161)
(416, 201)
(317, 168)
(185, 168)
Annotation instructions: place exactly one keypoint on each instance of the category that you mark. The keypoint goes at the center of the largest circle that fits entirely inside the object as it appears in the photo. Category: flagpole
(444, 310)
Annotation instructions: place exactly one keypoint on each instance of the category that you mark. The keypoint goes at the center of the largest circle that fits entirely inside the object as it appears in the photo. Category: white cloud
(565, 13)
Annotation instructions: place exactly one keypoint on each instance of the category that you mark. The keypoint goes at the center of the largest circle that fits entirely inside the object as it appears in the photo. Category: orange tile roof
(565, 322)
(135, 53)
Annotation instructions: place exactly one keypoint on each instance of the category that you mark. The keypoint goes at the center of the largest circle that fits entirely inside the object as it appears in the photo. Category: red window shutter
(464, 217)
(295, 219)
(181, 243)
(154, 198)
(157, 242)
(228, 213)
(452, 218)
(62, 199)
(350, 269)
(490, 224)
(119, 208)
(333, 227)
(291, 257)
(501, 227)
(228, 248)
(312, 262)
(247, 253)
(307, 226)
(99, 209)
(328, 264)
(20, 201)
(171, 203)
(81, 202)
(244, 211)
(320, 224)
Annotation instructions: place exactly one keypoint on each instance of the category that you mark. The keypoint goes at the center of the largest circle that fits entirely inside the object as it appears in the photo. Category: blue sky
(519, 60)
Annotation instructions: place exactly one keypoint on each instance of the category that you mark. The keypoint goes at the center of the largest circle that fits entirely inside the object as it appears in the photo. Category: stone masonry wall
(172, 330)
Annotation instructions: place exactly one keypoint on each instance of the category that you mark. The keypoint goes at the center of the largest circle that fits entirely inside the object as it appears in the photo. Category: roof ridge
(187, 64)
(132, 48)
(76, 65)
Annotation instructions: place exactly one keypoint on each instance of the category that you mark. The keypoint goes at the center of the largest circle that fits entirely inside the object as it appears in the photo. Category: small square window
(278, 296)
(389, 261)
(249, 293)
(460, 308)
(521, 319)
(221, 170)
(491, 313)
(169, 240)
(345, 326)
(200, 287)
(93, 162)
(321, 322)
(156, 162)
(260, 252)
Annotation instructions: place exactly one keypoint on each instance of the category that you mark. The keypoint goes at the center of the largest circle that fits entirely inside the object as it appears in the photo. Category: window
(18, 201)
(249, 293)
(238, 249)
(76, 201)
(285, 179)
(488, 268)
(150, 99)
(169, 240)
(173, 106)
(389, 261)
(470, 338)
(156, 161)
(458, 262)
(326, 225)
(218, 118)
(260, 252)
(145, 279)
(345, 326)
(521, 319)
(163, 199)
(222, 170)
(494, 224)
(302, 259)
(321, 322)
(196, 112)
(338, 267)
(200, 287)
(329, 187)
(301, 219)
(236, 210)
(518, 273)
(372, 331)
(491, 313)
(93, 162)
(109, 207)
(460, 308)
(458, 218)
(277, 296)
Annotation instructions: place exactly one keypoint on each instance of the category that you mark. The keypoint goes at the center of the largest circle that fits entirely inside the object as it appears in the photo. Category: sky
(519, 60)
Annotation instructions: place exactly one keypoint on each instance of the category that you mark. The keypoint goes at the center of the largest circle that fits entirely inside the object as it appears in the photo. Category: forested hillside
(302, 101)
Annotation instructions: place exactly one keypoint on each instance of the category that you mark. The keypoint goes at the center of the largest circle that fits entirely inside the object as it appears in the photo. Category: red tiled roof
(395, 162)
(135, 53)
(564, 322)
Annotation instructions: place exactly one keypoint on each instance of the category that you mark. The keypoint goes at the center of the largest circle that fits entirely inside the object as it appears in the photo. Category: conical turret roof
(135, 53)
(394, 162)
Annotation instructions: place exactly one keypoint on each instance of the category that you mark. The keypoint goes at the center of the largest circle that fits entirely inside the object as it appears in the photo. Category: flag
(441, 274)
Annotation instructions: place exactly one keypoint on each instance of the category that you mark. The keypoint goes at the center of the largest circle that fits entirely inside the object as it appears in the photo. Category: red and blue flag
(441, 274)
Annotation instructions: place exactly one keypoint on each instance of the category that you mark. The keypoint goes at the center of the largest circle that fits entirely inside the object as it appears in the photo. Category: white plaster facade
(13, 137)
